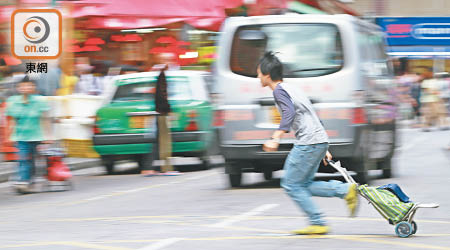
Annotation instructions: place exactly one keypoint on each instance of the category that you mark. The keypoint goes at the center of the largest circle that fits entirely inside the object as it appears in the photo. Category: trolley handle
(330, 161)
(343, 171)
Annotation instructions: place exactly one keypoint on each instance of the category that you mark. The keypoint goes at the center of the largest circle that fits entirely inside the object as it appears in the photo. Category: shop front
(424, 42)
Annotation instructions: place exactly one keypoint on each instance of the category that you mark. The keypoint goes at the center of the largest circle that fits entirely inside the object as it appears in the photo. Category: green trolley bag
(386, 203)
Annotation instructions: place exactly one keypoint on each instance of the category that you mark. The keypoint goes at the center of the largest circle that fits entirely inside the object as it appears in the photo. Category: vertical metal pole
(165, 144)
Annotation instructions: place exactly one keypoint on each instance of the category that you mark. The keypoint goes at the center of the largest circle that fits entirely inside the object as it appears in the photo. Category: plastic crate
(80, 148)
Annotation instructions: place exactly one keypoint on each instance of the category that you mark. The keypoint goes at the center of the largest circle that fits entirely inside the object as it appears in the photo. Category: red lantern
(157, 50)
(116, 38)
(166, 39)
(94, 41)
(132, 38)
(90, 48)
(183, 43)
(74, 48)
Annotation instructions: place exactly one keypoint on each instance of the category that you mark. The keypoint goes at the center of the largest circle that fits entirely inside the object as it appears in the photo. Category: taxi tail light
(95, 128)
(219, 118)
(192, 124)
(359, 116)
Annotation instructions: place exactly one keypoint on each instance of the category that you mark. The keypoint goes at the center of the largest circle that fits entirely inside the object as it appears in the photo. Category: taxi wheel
(108, 162)
(145, 161)
(235, 180)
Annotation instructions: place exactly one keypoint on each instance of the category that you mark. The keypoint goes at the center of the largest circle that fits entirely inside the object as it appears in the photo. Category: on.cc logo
(36, 29)
(36, 33)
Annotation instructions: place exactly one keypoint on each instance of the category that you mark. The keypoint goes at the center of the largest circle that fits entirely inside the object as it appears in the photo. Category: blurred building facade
(400, 7)
(402, 21)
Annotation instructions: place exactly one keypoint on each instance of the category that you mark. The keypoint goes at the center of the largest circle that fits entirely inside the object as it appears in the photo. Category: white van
(339, 61)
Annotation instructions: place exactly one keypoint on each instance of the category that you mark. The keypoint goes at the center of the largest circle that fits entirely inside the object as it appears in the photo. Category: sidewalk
(8, 168)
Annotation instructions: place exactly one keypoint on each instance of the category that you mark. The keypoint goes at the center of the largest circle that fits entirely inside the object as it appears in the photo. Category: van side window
(374, 58)
(306, 50)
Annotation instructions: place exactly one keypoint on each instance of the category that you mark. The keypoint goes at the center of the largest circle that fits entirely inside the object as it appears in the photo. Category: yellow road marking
(250, 229)
(92, 246)
(274, 217)
(66, 243)
(119, 218)
(251, 218)
(86, 200)
(103, 196)
(358, 238)
(37, 244)
(397, 243)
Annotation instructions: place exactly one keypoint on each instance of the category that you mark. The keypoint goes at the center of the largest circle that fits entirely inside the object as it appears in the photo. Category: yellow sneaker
(313, 229)
(352, 199)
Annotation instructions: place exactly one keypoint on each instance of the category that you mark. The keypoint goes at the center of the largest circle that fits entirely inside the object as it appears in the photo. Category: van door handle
(314, 100)
(266, 101)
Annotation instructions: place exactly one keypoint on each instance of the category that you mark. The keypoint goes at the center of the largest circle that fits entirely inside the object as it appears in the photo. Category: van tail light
(359, 116)
(192, 124)
(96, 129)
(219, 118)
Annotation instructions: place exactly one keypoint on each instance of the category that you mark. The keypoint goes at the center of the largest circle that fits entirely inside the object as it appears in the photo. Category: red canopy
(119, 14)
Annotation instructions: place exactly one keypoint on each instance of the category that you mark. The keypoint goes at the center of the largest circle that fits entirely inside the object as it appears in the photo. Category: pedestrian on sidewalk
(310, 147)
(163, 146)
(27, 112)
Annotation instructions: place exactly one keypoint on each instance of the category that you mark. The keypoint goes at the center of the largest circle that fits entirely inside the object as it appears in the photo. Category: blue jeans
(300, 167)
(27, 156)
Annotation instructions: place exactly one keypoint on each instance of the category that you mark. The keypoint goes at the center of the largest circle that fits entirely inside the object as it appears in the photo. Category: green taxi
(125, 127)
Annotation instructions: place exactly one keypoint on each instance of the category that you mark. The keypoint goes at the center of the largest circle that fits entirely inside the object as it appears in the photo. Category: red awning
(10, 60)
(346, 9)
(5, 13)
(119, 14)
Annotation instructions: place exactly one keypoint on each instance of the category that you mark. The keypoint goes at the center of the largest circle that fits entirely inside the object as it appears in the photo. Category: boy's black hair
(271, 65)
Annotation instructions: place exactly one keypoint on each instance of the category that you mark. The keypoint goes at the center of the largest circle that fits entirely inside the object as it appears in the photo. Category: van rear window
(306, 50)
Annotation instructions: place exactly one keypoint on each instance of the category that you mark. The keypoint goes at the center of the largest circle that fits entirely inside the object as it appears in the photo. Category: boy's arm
(287, 108)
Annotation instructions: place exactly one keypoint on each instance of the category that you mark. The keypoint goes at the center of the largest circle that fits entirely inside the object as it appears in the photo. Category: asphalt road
(197, 210)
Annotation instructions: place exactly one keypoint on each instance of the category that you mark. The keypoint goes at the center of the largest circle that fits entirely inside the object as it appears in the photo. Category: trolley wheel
(403, 229)
(414, 227)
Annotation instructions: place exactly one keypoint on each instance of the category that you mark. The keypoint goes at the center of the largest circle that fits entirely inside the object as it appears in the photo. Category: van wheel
(386, 167)
(268, 175)
(108, 162)
(212, 149)
(362, 167)
(235, 180)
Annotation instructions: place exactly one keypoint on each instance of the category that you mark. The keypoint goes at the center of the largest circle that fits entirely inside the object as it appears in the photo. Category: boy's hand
(328, 156)
(270, 146)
